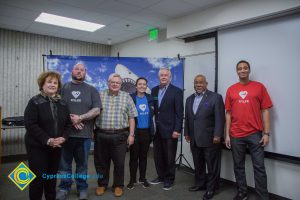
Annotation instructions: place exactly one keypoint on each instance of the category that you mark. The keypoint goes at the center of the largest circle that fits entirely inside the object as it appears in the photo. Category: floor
(184, 179)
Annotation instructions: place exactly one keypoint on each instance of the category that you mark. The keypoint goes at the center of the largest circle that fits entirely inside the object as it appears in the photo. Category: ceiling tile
(204, 3)
(87, 5)
(173, 8)
(150, 17)
(115, 8)
(141, 3)
(41, 27)
(13, 11)
(129, 25)
(15, 22)
(100, 18)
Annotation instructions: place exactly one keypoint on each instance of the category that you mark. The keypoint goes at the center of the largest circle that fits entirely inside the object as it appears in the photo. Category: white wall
(229, 14)
(283, 178)
(141, 47)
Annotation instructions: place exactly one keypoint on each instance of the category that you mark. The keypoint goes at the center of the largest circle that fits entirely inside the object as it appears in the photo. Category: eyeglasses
(115, 82)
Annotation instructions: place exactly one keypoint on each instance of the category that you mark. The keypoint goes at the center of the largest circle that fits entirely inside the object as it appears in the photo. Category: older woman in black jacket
(47, 124)
(144, 131)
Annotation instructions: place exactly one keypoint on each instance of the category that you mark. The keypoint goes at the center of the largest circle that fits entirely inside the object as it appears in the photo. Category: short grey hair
(200, 75)
(114, 75)
(165, 69)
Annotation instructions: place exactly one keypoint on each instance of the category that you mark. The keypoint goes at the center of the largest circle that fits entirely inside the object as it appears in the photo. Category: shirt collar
(199, 95)
(111, 94)
(165, 87)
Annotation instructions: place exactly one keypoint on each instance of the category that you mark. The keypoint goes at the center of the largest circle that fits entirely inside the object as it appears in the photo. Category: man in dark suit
(204, 128)
(168, 111)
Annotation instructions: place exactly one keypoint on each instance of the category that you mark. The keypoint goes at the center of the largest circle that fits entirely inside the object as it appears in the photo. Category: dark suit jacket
(169, 116)
(207, 122)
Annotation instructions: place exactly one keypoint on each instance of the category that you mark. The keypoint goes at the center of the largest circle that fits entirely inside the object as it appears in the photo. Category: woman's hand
(56, 142)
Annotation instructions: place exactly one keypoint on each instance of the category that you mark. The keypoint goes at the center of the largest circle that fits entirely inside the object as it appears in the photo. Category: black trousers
(238, 146)
(138, 154)
(110, 147)
(43, 161)
(164, 157)
(209, 157)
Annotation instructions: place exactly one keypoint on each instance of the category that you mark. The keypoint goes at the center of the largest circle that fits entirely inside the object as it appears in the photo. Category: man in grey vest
(84, 104)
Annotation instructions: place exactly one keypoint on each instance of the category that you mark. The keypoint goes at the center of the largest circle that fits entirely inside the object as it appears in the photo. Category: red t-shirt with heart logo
(245, 103)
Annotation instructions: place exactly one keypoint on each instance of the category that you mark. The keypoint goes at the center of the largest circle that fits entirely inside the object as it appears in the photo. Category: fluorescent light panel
(68, 22)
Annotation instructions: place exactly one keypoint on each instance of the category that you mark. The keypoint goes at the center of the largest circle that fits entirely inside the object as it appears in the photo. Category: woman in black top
(144, 131)
(47, 124)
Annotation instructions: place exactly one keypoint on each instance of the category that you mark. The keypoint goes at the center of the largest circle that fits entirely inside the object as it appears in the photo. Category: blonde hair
(113, 75)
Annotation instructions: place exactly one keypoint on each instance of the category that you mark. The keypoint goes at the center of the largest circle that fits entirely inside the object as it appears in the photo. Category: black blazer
(207, 122)
(151, 111)
(169, 116)
(39, 122)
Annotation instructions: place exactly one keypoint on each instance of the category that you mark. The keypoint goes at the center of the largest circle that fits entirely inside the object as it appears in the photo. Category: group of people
(61, 122)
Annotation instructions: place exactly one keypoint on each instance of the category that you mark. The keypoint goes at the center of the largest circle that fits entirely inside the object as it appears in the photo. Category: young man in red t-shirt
(247, 107)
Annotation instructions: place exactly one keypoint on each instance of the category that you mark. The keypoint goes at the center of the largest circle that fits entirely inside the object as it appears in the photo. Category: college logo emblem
(243, 94)
(21, 176)
(75, 94)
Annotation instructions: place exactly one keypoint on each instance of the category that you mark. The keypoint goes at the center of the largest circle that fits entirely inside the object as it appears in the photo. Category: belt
(113, 131)
(142, 129)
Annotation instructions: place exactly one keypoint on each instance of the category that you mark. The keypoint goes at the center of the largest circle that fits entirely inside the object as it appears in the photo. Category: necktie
(161, 95)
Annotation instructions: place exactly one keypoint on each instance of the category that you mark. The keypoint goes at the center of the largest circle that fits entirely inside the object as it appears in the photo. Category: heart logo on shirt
(142, 107)
(76, 94)
(243, 94)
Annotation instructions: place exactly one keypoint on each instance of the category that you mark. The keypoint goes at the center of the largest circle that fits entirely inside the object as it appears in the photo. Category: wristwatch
(48, 141)
(132, 134)
(268, 134)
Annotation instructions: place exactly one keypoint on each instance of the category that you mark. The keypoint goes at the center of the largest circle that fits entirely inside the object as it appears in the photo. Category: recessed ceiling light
(68, 22)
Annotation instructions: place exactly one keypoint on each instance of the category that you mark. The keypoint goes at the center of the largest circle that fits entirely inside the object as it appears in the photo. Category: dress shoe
(208, 195)
(241, 196)
(196, 188)
(156, 181)
(100, 191)
(167, 186)
(118, 191)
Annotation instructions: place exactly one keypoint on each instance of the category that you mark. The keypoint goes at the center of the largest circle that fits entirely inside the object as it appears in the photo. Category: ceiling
(124, 19)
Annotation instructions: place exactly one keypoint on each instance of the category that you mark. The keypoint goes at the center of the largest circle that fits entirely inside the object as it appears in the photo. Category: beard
(78, 79)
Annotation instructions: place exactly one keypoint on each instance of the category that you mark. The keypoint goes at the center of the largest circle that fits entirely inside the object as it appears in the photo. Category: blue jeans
(77, 148)
(238, 146)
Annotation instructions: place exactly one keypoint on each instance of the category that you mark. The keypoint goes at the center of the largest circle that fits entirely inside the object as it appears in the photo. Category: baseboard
(232, 183)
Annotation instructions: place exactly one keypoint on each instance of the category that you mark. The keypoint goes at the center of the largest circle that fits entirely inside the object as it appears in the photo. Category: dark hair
(243, 61)
(141, 78)
(43, 76)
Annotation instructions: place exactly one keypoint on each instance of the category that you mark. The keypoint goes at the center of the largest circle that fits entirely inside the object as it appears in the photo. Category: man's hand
(227, 142)
(175, 135)
(75, 119)
(130, 140)
(187, 138)
(264, 140)
(217, 140)
(79, 126)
